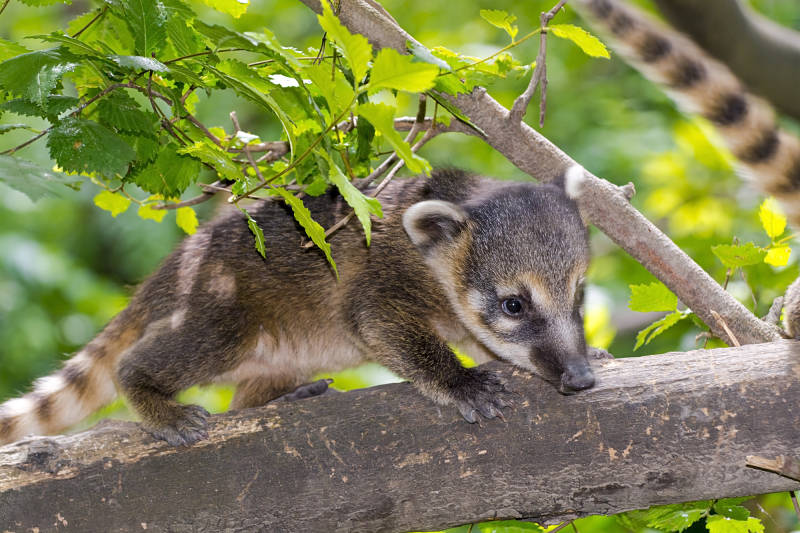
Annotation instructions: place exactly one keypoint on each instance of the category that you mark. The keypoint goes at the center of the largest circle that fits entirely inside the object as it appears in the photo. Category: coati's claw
(190, 427)
(308, 390)
(597, 353)
(483, 393)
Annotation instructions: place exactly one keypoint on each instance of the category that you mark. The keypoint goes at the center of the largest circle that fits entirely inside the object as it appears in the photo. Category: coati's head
(512, 263)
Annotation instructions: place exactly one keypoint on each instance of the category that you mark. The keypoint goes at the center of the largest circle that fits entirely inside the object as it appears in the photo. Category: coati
(767, 155)
(494, 268)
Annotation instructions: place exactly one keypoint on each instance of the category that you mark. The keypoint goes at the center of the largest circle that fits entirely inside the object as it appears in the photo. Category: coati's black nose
(576, 378)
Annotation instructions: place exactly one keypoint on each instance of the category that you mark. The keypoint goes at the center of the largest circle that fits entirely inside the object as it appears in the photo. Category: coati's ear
(432, 222)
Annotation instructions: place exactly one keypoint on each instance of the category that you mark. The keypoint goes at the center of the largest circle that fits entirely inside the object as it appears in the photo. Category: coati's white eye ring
(512, 306)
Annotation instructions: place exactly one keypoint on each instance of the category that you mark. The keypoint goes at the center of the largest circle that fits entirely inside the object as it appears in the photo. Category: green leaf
(450, 84)
(34, 75)
(124, 113)
(9, 49)
(337, 92)
(502, 20)
(658, 327)
(424, 54)
(654, 296)
(32, 179)
(587, 42)
(508, 526)
(676, 517)
(456, 112)
(186, 219)
(139, 63)
(722, 524)
(54, 106)
(362, 205)
(381, 116)
(392, 70)
(730, 507)
(147, 212)
(256, 230)
(234, 8)
(170, 174)
(72, 44)
(214, 156)
(778, 255)
(311, 226)
(772, 219)
(147, 20)
(355, 47)
(5, 128)
(739, 255)
(80, 145)
(112, 202)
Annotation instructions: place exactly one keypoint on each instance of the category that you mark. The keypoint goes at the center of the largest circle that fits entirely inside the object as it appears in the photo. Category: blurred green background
(66, 267)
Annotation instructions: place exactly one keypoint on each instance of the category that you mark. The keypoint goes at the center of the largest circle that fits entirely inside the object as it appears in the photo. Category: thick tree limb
(765, 55)
(602, 203)
(658, 429)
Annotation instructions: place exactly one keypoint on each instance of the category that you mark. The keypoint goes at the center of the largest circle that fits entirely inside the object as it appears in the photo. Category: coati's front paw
(481, 392)
(189, 425)
(598, 353)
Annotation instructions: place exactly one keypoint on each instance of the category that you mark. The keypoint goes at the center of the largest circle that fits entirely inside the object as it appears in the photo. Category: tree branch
(603, 204)
(765, 55)
(658, 429)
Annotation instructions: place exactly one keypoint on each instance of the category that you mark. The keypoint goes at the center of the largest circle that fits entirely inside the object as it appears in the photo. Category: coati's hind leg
(255, 392)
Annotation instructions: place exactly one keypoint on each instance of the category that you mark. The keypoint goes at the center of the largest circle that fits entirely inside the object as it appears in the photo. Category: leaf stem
(505, 48)
(97, 17)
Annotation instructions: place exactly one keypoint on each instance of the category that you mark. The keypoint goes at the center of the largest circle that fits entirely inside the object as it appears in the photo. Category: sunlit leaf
(186, 219)
(778, 256)
(657, 328)
(392, 70)
(502, 20)
(653, 296)
(355, 47)
(147, 212)
(114, 203)
(362, 205)
(723, 524)
(739, 255)
(382, 117)
(214, 156)
(234, 8)
(587, 42)
(772, 218)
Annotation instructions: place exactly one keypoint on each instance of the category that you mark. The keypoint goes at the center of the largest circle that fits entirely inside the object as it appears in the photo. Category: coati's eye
(512, 306)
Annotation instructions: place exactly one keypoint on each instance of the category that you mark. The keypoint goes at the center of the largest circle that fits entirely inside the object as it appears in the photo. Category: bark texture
(657, 429)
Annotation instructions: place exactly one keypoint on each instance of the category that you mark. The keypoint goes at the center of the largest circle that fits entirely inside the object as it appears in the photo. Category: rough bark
(765, 55)
(602, 203)
(655, 430)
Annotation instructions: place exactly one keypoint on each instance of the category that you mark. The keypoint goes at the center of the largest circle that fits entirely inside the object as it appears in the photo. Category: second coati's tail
(766, 154)
(84, 384)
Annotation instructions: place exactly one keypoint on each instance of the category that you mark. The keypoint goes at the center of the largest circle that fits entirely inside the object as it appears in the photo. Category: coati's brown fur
(452, 261)
(767, 155)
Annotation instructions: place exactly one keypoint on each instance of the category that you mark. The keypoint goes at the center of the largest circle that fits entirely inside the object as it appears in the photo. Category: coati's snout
(576, 377)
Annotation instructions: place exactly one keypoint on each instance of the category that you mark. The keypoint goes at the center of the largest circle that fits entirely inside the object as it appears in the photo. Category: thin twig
(88, 24)
(539, 76)
(3, 7)
(725, 327)
(793, 496)
(202, 127)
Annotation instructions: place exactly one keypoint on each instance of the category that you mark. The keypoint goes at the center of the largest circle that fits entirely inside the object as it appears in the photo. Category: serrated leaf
(587, 42)
(778, 256)
(186, 219)
(147, 212)
(739, 255)
(112, 202)
(722, 524)
(392, 70)
(70, 43)
(362, 205)
(424, 54)
(381, 116)
(9, 49)
(147, 20)
(653, 296)
(337, 92)
(676, 517)
(54, 106)
(214, 156)
(124, 113)
(34, 75)
(772, 219)
(32, 179)
(355, 47)
(730, 507)
(450, 84)
(312, 228)
(234, 8)
(501, 19)
(170, 174)
(39, 3)
(80, 145)
(657, 328)
(139, 63)
(508, 526)
(258, 233)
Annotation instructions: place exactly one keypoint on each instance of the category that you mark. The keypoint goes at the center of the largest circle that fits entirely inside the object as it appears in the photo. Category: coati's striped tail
(84, 384)
(767, 155)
